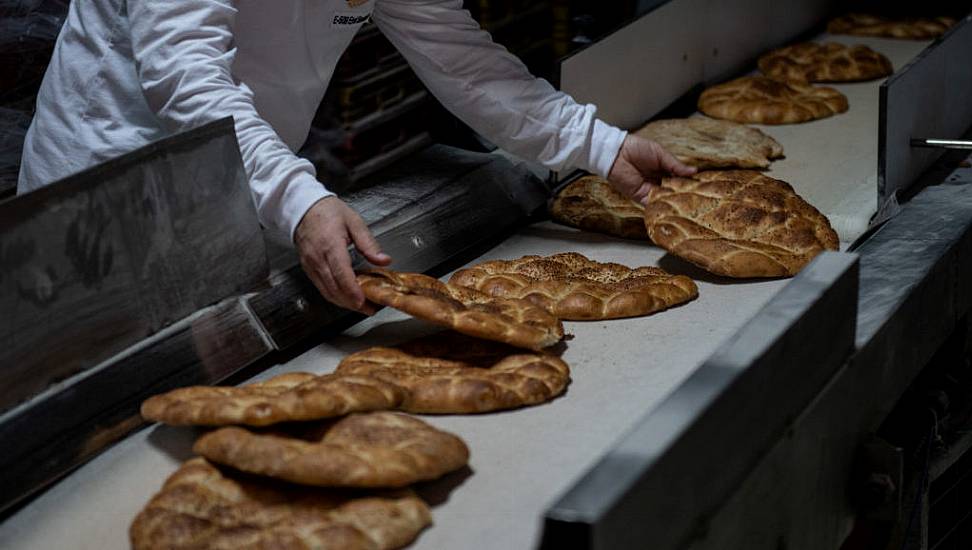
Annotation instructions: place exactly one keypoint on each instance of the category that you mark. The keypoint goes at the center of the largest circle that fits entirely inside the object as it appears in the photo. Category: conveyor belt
(833, 162)
(524, 459)
(521, 460)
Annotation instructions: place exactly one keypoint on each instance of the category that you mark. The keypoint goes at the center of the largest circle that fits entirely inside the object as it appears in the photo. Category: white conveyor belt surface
(522, 460)
(832, 162)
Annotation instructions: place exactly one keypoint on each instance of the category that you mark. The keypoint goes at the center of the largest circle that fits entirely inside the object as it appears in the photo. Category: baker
(128, 72)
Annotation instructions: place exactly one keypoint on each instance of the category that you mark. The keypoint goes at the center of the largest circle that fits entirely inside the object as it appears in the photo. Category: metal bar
(661, 481)
(928, 96)
(942, 143)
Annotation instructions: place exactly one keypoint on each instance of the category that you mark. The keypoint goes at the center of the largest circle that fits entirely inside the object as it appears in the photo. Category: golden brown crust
(862, 24)
(571, 286)
(202, 507)
(371, 450)
(709, 143)
(514, 322)
(590, 203)
(288, 397)
(737, 223)
(451, 373)
(830, 62)
(762, 100)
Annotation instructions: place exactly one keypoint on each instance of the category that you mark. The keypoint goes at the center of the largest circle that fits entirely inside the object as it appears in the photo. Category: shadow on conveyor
(569, 234)
(436, 493)
(175, 441)
(678, 266)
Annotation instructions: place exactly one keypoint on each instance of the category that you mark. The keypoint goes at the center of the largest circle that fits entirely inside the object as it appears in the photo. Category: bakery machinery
(810, 412)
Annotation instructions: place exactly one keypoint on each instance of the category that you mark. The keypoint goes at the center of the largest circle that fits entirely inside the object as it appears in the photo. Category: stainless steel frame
(928, 97)
(685, 458)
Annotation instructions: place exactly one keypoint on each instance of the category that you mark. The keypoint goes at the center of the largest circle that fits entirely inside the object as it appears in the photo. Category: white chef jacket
(128, 72)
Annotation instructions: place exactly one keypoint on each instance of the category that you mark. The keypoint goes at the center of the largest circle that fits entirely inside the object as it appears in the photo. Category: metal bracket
(942, 143)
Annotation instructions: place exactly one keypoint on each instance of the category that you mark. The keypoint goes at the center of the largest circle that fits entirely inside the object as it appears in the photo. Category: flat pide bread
(737, 223)
(572, 286)
(862, 24)
(365, 450)
(708, 143)
(450, 373)
(515, 322)
(285, 398)
(762, 100)
(591, 204)
(830, 62)
(201, 506)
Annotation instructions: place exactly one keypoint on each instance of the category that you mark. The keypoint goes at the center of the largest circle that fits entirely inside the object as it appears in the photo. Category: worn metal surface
(927, 98)
(94, 263)
(72, 422)
(685, 457)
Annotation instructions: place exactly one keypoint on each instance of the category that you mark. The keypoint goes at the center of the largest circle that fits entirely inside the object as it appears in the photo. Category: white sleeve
(183, 52)
(492, 91)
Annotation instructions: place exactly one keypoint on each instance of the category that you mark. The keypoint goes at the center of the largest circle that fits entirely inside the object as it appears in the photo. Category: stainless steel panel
(684, 458)
(58, 430)
(914, 286)
(94, 263)
(661, 56)
(929, 97)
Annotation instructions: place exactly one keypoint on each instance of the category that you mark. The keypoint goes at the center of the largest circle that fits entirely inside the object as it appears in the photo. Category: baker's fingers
(324, 281)
(642, 193)
(365, 241)
(672, 165)
(339, 262)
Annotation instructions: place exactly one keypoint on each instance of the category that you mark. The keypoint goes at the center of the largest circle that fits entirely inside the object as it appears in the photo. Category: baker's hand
(641, 164)
(322, 240)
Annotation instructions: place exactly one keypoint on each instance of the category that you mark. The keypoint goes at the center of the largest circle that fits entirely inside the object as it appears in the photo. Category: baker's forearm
(184, 52)
(492, 91)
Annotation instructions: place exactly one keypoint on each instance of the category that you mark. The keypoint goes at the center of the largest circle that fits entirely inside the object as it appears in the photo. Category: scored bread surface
(862, 24)
(762, 100)
(373, 450)
(572, 286)
(515, 322)
(288, 397)
(450, 373)
(590, 203)
(201, 506)
(830, 62)
(709, 143)
(737, 223)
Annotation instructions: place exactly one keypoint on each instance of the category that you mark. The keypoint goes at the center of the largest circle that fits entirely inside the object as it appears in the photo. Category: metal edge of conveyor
(683, 459)
(926, 99)
(481, 200)
(913, 293)
(685, 474)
